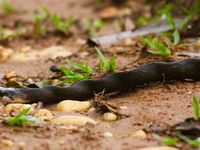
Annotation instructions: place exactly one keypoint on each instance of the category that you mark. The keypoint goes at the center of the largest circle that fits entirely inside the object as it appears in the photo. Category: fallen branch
(107, 40)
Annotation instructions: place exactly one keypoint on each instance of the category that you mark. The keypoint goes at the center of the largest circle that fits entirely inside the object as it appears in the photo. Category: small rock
(108, 134)
(139, 134)
(61, 142)
(73, 106)
(92, 109)
(109, 116)
(22, 145)
(70, 119)
(123, 107)
(158, 148)
(44, 114)
(7, 143)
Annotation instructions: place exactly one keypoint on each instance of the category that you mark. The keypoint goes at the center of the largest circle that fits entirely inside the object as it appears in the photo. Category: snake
(182, 70)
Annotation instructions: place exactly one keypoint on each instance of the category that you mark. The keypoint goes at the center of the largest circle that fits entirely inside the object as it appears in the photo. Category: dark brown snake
(85, 89)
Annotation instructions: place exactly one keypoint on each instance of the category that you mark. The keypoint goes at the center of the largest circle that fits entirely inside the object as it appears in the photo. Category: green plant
(71, 76)
(194, 143)
(195, 105)
(22, 118)
(46, 13)
(86, 69)
(39, 27)
(171, 141)
(176, 35)
(62, 25)
(93, 26)
(158, 47)
(106, 65)
(7, 7)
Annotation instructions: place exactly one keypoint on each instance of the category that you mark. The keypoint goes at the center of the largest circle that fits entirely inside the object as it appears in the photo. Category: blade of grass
(195, 105)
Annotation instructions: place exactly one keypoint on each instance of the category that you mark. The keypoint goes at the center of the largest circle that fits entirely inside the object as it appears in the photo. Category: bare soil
(154, 105)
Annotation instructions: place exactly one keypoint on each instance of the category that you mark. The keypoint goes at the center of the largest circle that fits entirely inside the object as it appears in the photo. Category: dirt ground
(154, 105)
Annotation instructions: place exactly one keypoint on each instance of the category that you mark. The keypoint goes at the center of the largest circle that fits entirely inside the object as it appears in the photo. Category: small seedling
(22, 118)
(7, 7)
(170, 141)
(39, 28)
(46, 13)
(71, 76)
(106, 65)
(158, 47)
(62, 25)
(93, 26)
(86, 69)
(195, 105)
(176, 35)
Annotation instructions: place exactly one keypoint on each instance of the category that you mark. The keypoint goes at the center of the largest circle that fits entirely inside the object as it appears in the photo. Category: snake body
(85, 89)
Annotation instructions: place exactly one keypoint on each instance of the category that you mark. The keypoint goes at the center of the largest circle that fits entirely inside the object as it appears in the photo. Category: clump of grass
(106, 65)
(62, 25)
(92, 26)
(7, 7)
(39, 27)
(22, 118)
(157, 46)
(71, 76)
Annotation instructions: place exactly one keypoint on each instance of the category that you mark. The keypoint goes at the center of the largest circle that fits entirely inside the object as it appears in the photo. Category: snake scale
(85, 89)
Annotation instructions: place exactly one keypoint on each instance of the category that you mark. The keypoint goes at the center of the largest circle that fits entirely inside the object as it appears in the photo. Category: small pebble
(44, 114)
(73, 106)
(139, 134)
(61, 142)
(7, 143)
(123, 107)
(110, 116)
(158, 148)
(108, 134)
(70, 119)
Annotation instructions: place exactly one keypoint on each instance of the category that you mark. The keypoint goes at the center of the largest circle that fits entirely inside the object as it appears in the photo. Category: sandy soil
(154, 105)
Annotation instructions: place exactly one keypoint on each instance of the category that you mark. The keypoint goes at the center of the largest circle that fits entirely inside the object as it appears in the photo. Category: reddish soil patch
(152, 105)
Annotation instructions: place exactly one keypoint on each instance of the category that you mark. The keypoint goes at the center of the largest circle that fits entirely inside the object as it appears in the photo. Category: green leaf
(84, 68)
(62, 26)
(104, 62)
(71, 76)
(176, 37)
(170, 141)
(194, 143)
(106, 65)
(7, 7)
(195, 105)
(46, 12)
(112, 63)
(169, 18)
(22, 118)
(158, 47)
(99, 24)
